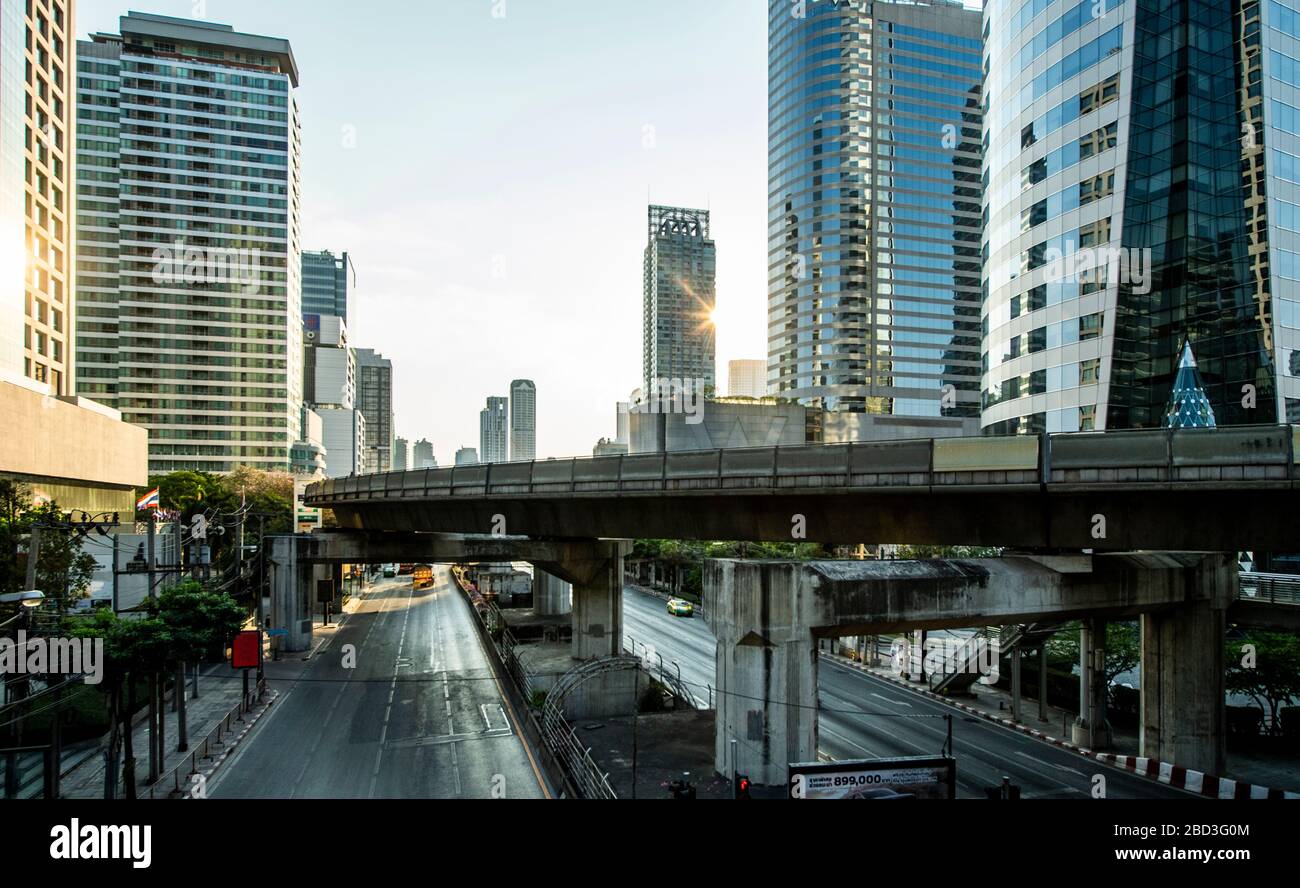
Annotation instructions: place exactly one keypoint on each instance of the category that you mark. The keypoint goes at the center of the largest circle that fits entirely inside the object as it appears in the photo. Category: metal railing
(1242, 454)
(560, 737)
(1270, 587)
(206, 748)
(656, 668)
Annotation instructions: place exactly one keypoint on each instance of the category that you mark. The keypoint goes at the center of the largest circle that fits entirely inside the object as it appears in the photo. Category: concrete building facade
(523, 420)
(679, 295)
(874, 213)
(746, 379)
(422, 457)
(1128, 214)
(375, 400)
(188, 237)
(493, 431)
(720, 425)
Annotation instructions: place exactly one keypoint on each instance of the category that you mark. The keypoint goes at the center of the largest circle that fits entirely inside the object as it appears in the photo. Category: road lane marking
(891, 700)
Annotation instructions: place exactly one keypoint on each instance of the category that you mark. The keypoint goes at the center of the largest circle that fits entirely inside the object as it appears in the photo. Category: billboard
(909, 777)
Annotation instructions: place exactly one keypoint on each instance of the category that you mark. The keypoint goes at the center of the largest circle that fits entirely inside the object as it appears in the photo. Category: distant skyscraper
(423, 455)
(325, 284)
(401, 455)
(747, 379)
(523, 420)
(188, 175)
(375, 400)
(874, 214)
(467, 456)
(493, 430)
(679, 295)
(1143, 170)
(36, 145)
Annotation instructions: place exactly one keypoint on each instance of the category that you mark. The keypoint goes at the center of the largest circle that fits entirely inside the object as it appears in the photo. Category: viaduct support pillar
(293, 596)
(551, 595)
(766, 669)
(1182, 671)
(1092, 728)
(595, 568)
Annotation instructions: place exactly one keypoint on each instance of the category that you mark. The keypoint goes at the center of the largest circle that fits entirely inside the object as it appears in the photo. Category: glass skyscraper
(1139, 186)
(679, 295)
(874, 214)
(523, 420)
(325, 284)
(188, 180)
(494, 430)
(36, 145)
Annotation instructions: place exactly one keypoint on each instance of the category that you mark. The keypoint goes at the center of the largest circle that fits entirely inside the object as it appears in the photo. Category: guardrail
(1239, 455)
(1271, 588)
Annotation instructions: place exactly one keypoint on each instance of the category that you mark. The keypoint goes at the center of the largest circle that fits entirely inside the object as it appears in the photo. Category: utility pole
(152, 555)
(261, 580)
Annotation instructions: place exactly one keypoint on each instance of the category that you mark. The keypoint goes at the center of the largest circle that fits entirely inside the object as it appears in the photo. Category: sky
(488, 163)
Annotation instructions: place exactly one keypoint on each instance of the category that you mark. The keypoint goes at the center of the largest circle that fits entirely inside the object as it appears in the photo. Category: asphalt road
(419, 714)
(863, 717)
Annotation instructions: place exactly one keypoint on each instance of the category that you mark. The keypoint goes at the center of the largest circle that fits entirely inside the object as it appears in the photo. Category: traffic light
(741, 784)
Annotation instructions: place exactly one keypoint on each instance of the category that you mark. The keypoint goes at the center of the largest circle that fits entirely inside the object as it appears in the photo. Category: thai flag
(149, 501)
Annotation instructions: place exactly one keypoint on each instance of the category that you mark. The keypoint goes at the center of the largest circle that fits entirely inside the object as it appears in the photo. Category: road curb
(1198, 782)
(229, 745)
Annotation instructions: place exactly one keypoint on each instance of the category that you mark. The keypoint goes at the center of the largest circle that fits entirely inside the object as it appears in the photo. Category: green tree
(1268, 672)
(919, 553)
(199, 623)
(183, 490)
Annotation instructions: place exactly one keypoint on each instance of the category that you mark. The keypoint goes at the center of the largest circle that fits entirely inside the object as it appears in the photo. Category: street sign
(907, 777)
(244, 651)
(272, 633)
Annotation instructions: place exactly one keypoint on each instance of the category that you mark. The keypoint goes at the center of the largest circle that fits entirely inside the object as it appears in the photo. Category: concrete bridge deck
(1189, 490)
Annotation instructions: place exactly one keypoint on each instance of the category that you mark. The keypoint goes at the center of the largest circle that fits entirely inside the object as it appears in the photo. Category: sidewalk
(220, 690)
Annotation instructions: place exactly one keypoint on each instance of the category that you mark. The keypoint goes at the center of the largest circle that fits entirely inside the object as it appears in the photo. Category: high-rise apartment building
(467, 456)
(493, 430)
(423, 455)
(37, 58)
(325, 284)
(375, 400)
(874, 214)
(747, 378)
(1143, 190)
(401, 455)
(523, 420)
(188, 181)
(679, 295)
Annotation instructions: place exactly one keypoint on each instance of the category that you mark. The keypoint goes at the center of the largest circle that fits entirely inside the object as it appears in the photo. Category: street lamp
(27, 598)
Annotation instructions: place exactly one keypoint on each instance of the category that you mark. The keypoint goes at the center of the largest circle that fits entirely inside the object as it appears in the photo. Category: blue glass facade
(874, 207)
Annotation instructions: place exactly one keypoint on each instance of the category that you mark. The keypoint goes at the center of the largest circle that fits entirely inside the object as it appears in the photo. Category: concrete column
(1091, 728)
(293, 595)
(595, 570)
(1182, 671)
(551, 595)
(766, 669)
(1015, 684)
(1042, 682)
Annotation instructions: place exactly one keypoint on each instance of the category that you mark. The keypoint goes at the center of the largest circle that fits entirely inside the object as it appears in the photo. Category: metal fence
(209, 747)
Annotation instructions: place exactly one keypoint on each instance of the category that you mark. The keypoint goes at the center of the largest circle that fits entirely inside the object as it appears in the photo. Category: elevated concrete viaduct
(594, 569)
(767, 617)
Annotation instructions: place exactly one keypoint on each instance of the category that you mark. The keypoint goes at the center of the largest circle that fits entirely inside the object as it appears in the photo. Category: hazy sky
(495, 199)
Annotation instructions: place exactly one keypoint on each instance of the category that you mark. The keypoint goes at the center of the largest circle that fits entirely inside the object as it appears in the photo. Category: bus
(423, 576)
(390, 570)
